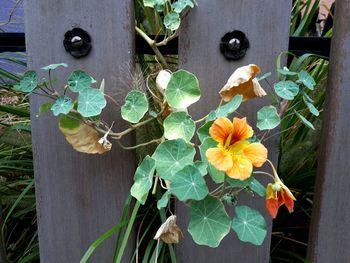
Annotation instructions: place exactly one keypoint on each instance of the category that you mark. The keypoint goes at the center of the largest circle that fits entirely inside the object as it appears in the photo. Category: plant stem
(128, 231)
(223, 188)
(152, 44)
(138, 145)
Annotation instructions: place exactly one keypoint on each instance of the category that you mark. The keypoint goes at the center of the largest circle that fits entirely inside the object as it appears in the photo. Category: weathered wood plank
(79, 196)
(266, 24)
(330, 233)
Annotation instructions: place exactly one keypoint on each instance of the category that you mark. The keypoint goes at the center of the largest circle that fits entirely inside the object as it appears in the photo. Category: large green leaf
(54, 66)
(79, 80)
(249, 225)
(172, 21)
(29, 81)
(203, 132)
(268, 118)
(215, 174)
(307, 79)
(209, 222)
(63, 104)
(189, 184)
(180, 5)
(172, 156)
(135, 106)
(179, 125)
(226, 109)
(183, 90)
(91, 102)
(143, 179)
(286, 89)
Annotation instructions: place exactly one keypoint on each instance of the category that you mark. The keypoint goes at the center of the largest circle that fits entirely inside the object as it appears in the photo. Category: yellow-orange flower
(243, 81)
(234, 154)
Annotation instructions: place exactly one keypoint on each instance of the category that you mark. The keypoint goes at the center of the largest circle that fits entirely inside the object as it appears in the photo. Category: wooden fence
(80, 196)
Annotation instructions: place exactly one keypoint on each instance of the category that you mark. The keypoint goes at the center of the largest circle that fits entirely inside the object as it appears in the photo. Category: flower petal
(256, 153)
(272, 207)
(240, 82)
(221, 130)
(288, 200)
(270, 193)
(241, 169)
(220, 158)
(241, 130)
(258, 90)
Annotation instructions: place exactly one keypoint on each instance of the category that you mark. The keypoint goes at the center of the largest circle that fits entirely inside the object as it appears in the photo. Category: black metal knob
(234, 45)
(77, 42)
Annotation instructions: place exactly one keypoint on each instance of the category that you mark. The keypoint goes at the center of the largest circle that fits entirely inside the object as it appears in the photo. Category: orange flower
(243, 81)
(234, 154)
(278, 194)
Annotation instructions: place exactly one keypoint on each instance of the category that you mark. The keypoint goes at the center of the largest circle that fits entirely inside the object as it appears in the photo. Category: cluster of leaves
(171, 10)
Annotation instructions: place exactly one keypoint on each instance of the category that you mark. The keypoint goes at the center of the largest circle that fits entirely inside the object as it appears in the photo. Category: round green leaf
(180, 5)
(307, 79)
(201, 166)
(54, 66)
(286, 89)
(249, 225)
(29, 81)
(172, 21)
(135, 106)
(179, 125)
(215, 174)
(79, 80)
(183, 90)
(91, 102)
(268, 118)
(163, 201)
(143, 179)
(189, 184)
(63, 104)
(226, 109)
(209, 222)
(172, 156)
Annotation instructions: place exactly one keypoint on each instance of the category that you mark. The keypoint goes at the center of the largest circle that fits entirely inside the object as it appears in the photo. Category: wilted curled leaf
(169, 232)
(81, 136)
(243, 82)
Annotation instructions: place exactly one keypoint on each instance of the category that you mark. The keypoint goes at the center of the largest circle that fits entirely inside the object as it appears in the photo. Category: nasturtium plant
(268, 118)
(286, 72)
(135, 106)
(91, 102)
(209, 222)
(164, 200)
(29, 82)
(203, 132)
(143, 179)
(63, 105)
(55, 66)
(180, 5)
(249, 225)
(179, 125)
(189, 184)
(202, 167)
(45, 107)
(172, 156)
(79, 80)
(286, 89)
(306, 79)
(183, 90)
(172, 21)
(304, 120)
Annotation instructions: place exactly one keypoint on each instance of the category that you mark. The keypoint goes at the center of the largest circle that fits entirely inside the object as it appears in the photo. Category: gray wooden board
(266, 24)
(330, 232)
(79, 196)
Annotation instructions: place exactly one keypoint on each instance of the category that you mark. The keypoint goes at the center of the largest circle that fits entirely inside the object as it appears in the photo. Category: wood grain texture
(330, 232)
(266, 24)
(79, 196)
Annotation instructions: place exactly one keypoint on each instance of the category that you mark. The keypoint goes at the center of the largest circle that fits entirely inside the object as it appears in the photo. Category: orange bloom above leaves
(234, 154)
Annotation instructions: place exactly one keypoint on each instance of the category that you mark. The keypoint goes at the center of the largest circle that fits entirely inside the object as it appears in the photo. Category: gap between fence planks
(266, 24)
(79, 196)
(330, 232)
